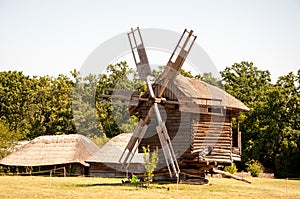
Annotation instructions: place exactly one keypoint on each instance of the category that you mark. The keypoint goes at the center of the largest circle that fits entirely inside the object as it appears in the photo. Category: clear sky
(53, 37)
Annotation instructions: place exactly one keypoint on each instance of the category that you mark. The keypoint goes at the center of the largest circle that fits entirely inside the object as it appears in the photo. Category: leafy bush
(231, 169)
(254, 167)
(151, 160)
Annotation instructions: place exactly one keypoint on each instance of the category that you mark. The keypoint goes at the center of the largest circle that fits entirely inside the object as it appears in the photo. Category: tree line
(271, 129)
(44, 105)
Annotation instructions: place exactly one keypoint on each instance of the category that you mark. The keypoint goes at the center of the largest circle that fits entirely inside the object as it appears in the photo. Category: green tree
(96, 106)
(283, 123)
(8, 139)
(15, 90)
(38, 105)
(50, 106)
(84, 109)
(246, 82)
(271, 128)
(249, 84)
(112, 113)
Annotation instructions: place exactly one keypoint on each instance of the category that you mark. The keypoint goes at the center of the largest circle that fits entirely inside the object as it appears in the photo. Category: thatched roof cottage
(52, 154)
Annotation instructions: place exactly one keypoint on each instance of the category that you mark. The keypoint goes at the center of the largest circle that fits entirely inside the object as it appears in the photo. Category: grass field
(84, 187)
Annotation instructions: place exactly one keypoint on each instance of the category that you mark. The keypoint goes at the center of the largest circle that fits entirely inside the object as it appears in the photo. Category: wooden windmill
(190, 120)
(155, 96)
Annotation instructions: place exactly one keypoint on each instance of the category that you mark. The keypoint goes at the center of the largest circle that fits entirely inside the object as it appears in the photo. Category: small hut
(105, 163)
(55, 155)
(199, 123)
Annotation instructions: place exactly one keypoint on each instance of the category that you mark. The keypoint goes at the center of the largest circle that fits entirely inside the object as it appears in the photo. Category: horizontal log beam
(231, 175)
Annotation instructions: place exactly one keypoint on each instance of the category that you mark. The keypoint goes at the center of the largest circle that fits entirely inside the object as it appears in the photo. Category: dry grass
(80, 187)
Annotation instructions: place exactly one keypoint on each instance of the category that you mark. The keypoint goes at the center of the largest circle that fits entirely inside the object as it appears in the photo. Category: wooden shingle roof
(198, 90)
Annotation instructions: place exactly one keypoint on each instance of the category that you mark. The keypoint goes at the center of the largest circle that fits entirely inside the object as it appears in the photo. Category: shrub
(254, 167)
(231, 169)
(151, 160)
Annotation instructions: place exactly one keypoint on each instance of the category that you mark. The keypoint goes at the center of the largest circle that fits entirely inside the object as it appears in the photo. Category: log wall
(201, 139)
(212, 136)
(178, 126)
(192, 134)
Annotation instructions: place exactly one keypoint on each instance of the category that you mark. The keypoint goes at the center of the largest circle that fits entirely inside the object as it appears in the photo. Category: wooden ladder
(137, 47)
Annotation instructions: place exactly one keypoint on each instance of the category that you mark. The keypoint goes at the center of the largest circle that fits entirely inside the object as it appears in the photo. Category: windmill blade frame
(144, 71)
(172, 67)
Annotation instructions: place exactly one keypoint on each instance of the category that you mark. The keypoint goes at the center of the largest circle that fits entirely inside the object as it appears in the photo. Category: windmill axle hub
(160, 100)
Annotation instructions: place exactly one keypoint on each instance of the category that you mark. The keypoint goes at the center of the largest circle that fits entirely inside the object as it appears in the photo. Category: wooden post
(239, 136)
(231, 144)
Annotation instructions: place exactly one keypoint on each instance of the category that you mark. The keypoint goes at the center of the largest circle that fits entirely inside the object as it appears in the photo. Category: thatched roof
(52, 150)
(113, 149)
(195, 88)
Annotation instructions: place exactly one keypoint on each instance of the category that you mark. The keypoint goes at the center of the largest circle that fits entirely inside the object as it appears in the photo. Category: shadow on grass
(161, 185)
(101, 185)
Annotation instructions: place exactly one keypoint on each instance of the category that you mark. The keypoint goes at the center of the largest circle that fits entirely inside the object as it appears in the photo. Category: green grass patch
(85, 187)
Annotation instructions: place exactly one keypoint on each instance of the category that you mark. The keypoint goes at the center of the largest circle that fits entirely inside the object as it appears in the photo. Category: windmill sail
(144, 71)
(138, 48)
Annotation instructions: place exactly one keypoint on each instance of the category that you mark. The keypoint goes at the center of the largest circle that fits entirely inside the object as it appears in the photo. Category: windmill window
(235, 139)
(214, 110)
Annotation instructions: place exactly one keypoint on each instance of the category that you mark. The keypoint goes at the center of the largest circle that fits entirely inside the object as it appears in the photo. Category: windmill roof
(113, 149)
(52, 150)
(199, 90)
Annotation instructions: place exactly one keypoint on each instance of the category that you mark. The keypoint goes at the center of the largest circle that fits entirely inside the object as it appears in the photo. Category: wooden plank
(200, 145)
(215, 142)
(212, 139)
(231, 175)
(212, 135)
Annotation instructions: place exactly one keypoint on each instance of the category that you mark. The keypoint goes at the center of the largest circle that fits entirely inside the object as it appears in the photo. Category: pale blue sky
(53, 37)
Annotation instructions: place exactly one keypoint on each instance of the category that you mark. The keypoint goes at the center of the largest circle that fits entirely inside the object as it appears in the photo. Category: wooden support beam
(231, 175)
